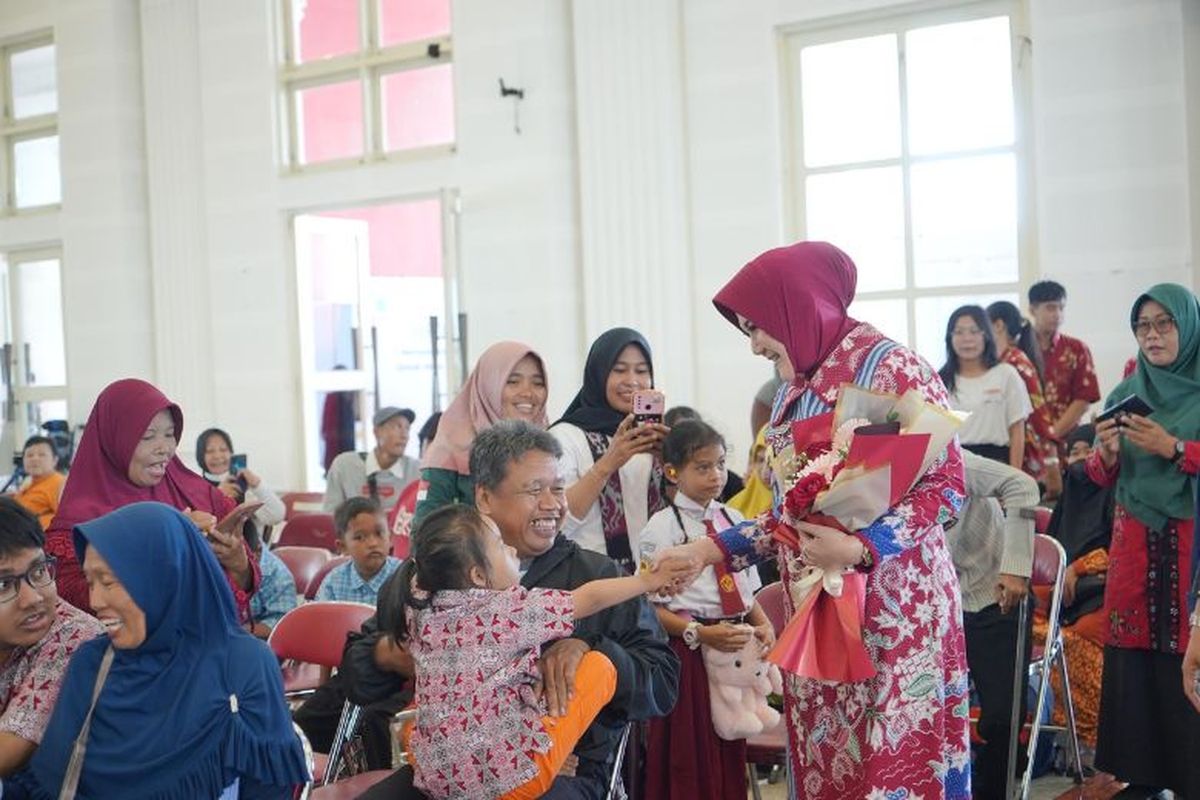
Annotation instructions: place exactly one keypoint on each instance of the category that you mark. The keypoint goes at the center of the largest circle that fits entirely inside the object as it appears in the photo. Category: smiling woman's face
(154, 451)
(762, 344)
(630, 373)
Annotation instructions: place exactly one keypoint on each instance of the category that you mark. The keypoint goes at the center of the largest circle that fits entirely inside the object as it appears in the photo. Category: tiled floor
(1052, 787)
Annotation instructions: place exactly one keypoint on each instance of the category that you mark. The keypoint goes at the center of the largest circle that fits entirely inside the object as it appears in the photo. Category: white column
(632, 144)
(109, 323)
(171, 80)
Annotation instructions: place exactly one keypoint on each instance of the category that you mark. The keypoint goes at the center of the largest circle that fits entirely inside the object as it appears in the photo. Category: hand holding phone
(232, 522)
(1130, 405)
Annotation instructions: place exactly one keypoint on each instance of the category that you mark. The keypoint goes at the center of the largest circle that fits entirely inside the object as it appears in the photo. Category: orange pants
(595, 683)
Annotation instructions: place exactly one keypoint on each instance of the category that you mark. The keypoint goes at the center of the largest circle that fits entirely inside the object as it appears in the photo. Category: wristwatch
(1180, 449)
(691, 635)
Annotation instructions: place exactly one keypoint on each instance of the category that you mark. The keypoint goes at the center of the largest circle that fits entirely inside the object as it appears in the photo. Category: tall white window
(366, 80)
(907, 147)
(33, 357)
(29, 125)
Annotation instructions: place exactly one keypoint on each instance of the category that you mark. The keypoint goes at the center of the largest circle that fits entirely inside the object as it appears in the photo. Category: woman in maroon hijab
(902, 732)
(127, 454)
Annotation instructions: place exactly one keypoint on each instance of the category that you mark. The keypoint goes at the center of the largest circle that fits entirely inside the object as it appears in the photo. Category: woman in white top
(612, 467)
(992, 391)
(214, 456)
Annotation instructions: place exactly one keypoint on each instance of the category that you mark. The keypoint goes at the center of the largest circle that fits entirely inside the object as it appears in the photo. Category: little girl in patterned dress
(475, 635)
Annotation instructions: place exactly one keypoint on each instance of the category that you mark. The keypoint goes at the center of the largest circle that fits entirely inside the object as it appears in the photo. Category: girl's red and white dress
(476, 653)
(685, 758)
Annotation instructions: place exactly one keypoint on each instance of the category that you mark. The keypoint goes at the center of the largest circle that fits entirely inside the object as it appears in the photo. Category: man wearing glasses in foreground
(38, 634)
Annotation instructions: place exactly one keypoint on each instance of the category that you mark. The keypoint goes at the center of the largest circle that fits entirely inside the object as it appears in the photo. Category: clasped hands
(825, 547)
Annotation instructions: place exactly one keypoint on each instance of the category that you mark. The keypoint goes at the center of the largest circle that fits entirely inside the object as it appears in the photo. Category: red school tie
(731, 598)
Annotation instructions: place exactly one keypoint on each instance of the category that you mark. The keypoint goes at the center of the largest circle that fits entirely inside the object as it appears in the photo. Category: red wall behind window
(405, 238)
(418, 106)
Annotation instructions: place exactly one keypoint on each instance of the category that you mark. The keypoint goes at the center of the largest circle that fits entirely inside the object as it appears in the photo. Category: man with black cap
(381, 473)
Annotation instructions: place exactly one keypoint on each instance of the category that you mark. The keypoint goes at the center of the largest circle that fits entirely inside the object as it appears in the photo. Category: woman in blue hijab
(192, 706)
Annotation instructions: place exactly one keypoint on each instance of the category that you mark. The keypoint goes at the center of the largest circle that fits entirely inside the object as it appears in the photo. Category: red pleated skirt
(685, 759)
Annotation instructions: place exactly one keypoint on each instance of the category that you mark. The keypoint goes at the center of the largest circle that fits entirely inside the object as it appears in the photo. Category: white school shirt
(996, 399)
(702, 598)
(577, 459)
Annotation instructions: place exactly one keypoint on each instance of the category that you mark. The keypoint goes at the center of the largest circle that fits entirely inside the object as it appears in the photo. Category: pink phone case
(648, 406)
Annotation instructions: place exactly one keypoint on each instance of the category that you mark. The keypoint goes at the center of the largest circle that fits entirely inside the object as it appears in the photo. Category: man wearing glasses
(38, 634)
(519, 485)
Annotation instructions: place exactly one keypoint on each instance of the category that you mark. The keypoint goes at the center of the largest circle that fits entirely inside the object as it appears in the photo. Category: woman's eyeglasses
(1162, 325)
(39, 576)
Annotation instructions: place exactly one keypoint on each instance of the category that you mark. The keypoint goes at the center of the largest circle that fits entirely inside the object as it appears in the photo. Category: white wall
(1113, 143)
(1117, 148)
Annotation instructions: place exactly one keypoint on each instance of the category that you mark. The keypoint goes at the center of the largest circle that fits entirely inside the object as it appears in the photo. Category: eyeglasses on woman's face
(1162, 325)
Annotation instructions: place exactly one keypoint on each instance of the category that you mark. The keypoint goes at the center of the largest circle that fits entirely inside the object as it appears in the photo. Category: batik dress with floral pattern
(903, 734)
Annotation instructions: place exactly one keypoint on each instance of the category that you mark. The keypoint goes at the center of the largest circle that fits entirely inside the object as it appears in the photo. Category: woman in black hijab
(611, 466)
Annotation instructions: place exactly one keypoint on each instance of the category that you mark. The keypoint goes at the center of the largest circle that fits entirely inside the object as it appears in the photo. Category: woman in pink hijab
(508, 382)
(127, 455)
(904, 731)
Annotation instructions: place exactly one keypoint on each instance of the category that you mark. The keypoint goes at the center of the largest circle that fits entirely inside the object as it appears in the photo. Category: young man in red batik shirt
(1070, 378)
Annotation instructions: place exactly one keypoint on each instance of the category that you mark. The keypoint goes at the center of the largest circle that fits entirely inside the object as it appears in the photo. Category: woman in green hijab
(1149, 733)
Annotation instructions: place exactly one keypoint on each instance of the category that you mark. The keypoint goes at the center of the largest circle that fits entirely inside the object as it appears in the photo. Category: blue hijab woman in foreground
(192, 706)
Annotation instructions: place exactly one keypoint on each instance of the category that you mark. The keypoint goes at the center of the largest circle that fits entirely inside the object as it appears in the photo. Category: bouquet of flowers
(846, 468)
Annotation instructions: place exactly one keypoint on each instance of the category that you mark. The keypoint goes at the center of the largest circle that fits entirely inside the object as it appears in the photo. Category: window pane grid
(29, 149)
(948, 235)
(394, 112)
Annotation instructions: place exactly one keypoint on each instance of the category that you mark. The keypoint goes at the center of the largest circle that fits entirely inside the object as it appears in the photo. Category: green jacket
(443, 487)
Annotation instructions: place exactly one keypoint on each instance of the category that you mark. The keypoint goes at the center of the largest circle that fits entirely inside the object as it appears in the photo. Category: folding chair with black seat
(315, 633)
(1049, 569)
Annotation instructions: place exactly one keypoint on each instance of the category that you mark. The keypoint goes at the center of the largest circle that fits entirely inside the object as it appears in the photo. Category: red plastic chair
(768, 748)
(309, 530)
(303, 562)
(400, 518)
(315, 633)
(771, 598)
(310, 590)
(301, 503)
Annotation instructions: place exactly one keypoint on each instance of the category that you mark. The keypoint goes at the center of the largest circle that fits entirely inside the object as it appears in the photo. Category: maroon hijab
(99, 478)
(797, 294)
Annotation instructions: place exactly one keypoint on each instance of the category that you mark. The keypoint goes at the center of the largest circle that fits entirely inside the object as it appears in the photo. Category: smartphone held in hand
(1130, 405)
(648, 406)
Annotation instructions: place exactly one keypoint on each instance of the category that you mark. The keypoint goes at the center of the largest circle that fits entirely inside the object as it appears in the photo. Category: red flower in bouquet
(800, 498)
